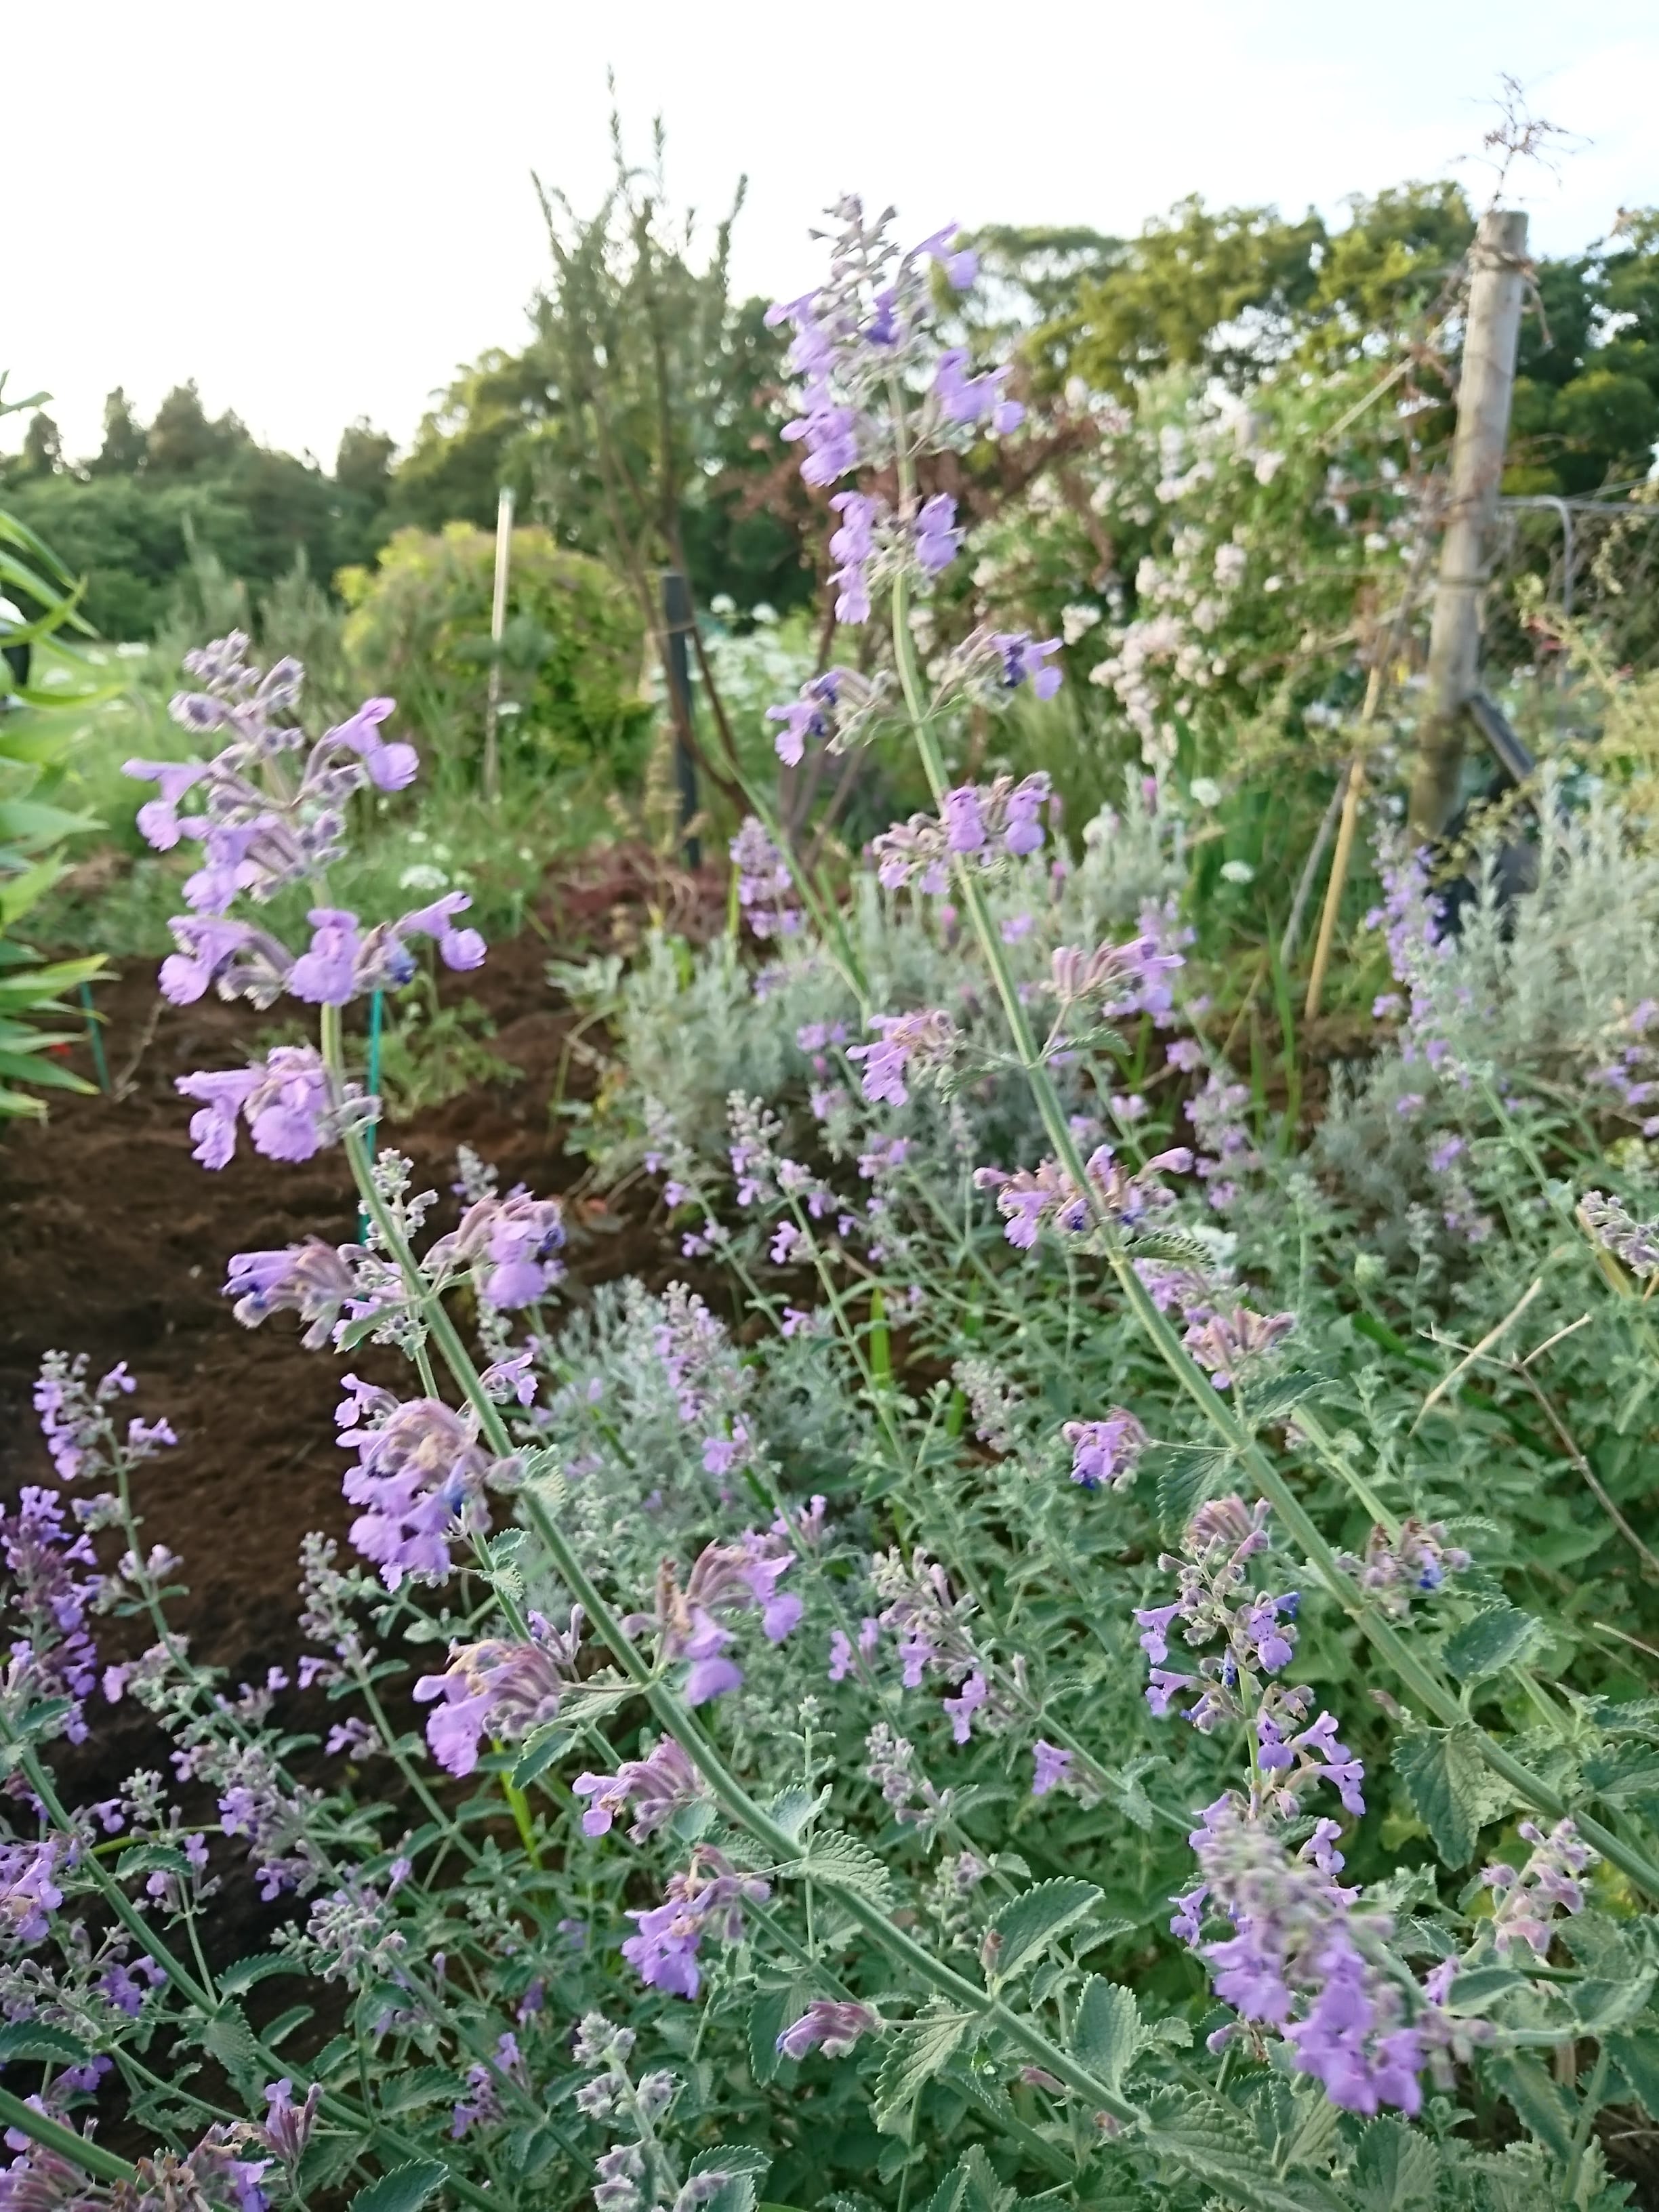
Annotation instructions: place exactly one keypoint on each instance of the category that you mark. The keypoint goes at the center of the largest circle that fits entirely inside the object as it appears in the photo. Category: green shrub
(571, 657)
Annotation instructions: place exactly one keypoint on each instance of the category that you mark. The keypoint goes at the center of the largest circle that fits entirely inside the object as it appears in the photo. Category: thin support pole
(376, 1018)
(677, 631)
(1345, 837)
(1310, 868)
(94, 1038)
(492, 759)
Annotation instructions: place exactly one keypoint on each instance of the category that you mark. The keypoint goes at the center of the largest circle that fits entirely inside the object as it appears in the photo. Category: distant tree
(474, 442)
(43, 447)
(363, 464)
(183, 443)
(125, 441)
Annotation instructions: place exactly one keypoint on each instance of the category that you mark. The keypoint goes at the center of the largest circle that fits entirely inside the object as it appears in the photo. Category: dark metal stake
(676, 623)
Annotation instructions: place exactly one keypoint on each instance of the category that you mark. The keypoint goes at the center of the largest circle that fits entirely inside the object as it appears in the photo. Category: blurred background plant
(45, 692)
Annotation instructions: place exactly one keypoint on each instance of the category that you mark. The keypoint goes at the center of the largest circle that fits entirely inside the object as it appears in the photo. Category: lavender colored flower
(1301, 1962)
(832, 2025)
(708, 1894)
(499, 1688)
(54, 1656)
(285, 1104)
(1105, 1454)
(29, 1892)
(961, 1708)
(981, 826)
(1051, 1765)
(1610, 1224)
(837, 708)
(1525, 1902)
(927, 1040)
(938, 541)
(725, 1579)
(313, 1279)
(1414, 1562)
(241, 961)
(1030, 1200)
(287, 2127)
(867, 323)
(852, 548)
(763, 882)
(419, 1476)
(258, 834)
(655, 1787)
(1234, 1344)
(973, 400)
(326, 974)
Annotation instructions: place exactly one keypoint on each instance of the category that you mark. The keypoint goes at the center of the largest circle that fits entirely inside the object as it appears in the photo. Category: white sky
(318, 207)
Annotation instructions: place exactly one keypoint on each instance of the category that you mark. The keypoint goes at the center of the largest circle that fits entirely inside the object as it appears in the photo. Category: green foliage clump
(571, 656)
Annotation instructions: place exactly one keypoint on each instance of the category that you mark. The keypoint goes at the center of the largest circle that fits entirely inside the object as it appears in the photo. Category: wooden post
(492, 760)
(1497, 288)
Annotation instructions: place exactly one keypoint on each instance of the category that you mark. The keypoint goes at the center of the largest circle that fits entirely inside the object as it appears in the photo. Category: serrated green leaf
(243, 1973)
(1173, 1245)
(33, 2038)
(405, 2188)
(1278, 1395)
(412, 2092)
(795, 1810)
(284, 2025)
(1107, 2030)
(154, 1858)
(1187, 1475)
(540, 1749)
(1029, 1921)
(1635, 2052)
(1474, 1991)
(1541, 2103)
(918, 2052)
(950, 2194)
(1484, 1646)
(1209, 2139)
(229, 2038)
(772, 2011)
(841, 1862)
(1442, 1773)
(732, 2158)
(1600, 2005)
(1395, 2169)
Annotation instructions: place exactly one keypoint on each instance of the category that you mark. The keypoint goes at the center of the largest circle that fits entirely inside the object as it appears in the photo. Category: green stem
(51, 2135)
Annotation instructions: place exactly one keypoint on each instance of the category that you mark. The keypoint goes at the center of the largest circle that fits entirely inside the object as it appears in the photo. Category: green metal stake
(95, 1040)
(376, 1011)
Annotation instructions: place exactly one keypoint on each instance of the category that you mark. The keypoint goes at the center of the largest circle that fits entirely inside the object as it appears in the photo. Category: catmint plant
(768, 1727)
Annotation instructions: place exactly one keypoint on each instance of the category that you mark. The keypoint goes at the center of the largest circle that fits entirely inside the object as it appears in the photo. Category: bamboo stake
(1344, 836)
(492, 762)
